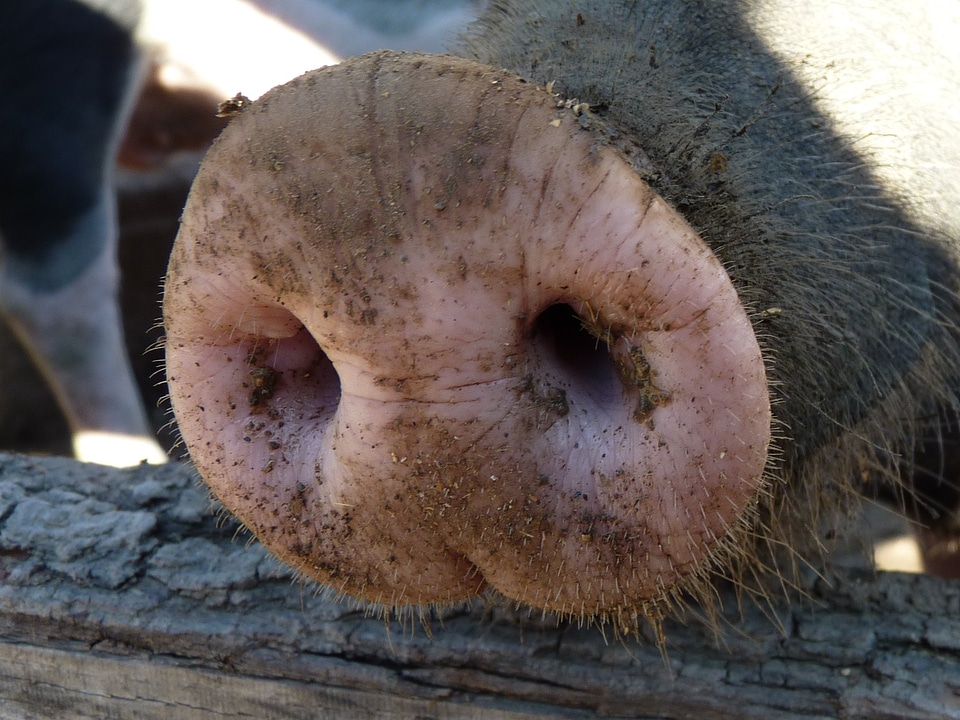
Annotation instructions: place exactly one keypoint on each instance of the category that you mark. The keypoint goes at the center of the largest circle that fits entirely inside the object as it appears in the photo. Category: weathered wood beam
(122, 596)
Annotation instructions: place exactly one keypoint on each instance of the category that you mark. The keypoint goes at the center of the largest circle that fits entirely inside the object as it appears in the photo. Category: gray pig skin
(815, 147)
(812, 150)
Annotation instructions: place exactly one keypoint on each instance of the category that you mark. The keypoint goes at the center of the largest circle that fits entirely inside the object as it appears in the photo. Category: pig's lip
(355, 464)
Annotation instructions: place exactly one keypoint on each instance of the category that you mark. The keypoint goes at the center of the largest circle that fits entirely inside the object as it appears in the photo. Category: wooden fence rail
(121, 596)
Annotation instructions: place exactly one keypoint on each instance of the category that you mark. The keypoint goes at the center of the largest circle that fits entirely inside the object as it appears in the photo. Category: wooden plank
(122, 596)
(37, 683)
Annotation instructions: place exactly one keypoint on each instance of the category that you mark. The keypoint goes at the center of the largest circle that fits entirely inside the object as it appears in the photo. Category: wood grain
(122, 596)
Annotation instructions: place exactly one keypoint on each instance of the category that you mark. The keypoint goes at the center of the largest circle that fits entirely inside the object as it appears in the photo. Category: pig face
(432, 329)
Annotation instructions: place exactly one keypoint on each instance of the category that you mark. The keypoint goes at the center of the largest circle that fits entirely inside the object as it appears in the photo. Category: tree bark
(124, 596)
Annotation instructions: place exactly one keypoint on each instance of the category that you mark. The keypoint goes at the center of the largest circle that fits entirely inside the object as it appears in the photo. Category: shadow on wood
(121, 597)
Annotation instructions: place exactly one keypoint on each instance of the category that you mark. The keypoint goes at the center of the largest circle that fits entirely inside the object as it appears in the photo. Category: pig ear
(382, 268)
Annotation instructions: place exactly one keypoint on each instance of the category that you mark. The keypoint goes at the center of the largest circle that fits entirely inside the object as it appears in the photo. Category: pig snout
(430, 334)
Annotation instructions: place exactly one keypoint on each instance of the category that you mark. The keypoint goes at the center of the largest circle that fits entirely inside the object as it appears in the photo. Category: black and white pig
(67, 73)
(72, 75)
(635, 295)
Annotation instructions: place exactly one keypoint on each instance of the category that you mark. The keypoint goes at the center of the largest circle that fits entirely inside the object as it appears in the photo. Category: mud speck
(234, 106)
(264, 384)
(638, 373)
(550, 402)
(718, 163)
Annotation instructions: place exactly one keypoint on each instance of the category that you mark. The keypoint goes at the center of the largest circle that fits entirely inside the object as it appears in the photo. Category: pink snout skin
(428, 336)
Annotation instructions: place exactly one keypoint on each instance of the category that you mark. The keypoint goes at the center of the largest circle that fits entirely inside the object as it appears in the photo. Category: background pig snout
(463, 346)
(68, 76)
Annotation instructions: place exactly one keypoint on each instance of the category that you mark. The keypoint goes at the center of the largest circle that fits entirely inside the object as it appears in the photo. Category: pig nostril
(322, 370)
(574, 354)
(287, 373)
(318, 371)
